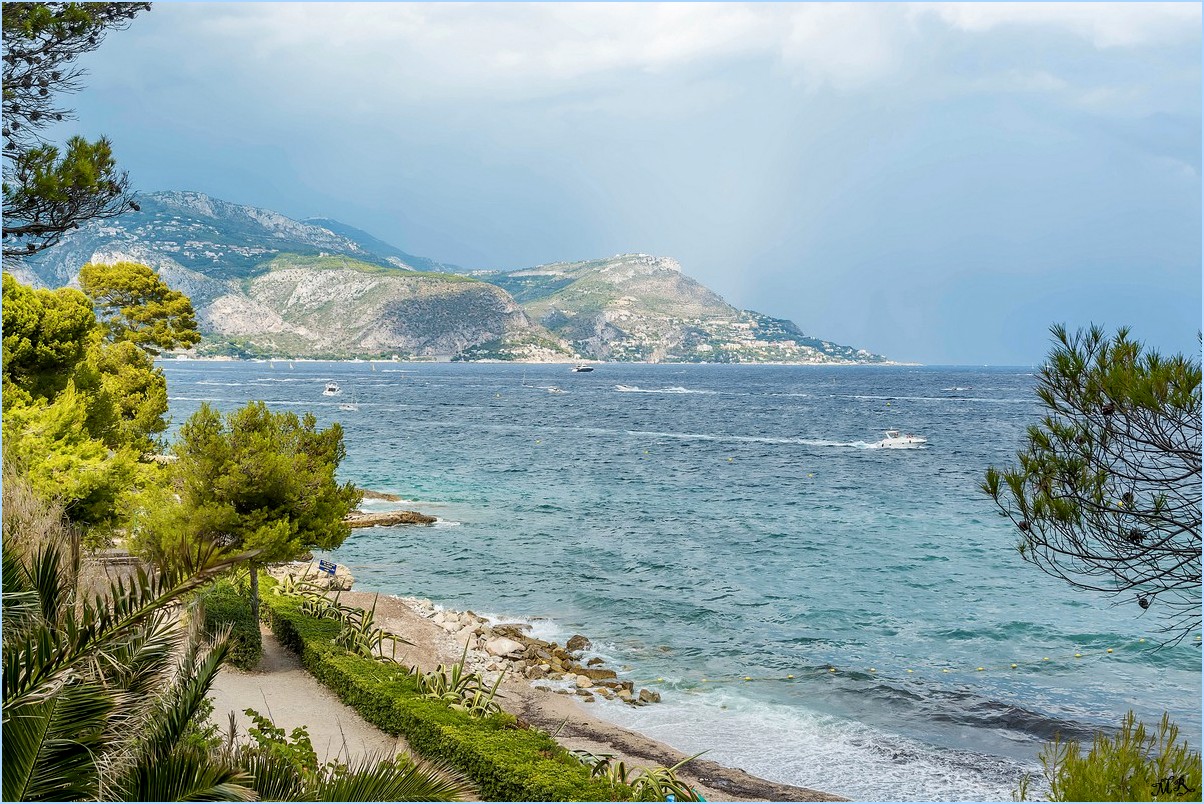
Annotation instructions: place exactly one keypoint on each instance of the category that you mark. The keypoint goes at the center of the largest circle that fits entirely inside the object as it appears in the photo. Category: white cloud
(843, 45)
(1103, 24)
(395, 52)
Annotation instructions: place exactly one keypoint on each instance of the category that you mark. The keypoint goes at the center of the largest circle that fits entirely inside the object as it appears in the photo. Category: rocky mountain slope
(639, 307)
(340, 307)
(265, 284)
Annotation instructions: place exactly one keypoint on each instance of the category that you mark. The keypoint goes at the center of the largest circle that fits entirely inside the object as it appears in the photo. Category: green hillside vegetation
(376, 246)
(335, 262)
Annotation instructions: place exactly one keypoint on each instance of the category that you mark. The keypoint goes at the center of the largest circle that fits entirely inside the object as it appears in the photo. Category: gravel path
(281, 689)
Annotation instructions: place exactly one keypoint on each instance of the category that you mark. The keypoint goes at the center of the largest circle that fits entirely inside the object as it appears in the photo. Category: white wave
(215, 382)
(445, 523)
(805, 442)
(672, 389)
(795, 746)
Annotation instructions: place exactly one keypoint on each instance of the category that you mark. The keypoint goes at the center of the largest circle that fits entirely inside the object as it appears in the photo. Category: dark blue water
(708, 524)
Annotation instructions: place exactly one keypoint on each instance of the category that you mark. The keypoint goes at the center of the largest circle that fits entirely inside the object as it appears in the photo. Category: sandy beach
(294, 698)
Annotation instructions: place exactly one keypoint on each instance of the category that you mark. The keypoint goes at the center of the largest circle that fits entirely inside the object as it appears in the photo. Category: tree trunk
(255, 591)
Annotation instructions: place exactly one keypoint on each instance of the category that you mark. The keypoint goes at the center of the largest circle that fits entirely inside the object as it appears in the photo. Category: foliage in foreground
(1131, 765)
(286, 768)
(1106, 492)
(101, 691)
(105, 694)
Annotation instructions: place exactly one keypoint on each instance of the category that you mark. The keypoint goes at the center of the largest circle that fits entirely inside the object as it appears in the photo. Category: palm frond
(51, 745)
(400, 779)
(274, 778)
(184, 775)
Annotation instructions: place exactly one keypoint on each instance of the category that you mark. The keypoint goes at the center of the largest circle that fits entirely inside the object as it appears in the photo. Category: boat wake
(804, 442)
(673, 389)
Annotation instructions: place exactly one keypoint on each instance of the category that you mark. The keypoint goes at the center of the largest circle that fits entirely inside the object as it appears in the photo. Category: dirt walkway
(280, 688)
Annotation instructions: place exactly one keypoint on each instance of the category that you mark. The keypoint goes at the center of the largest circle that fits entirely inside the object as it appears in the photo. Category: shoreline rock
(369, 494)
(498, 647)
(359, 519)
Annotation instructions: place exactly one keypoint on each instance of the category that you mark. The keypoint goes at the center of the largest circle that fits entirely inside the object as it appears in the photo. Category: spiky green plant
(360, 634)
(1130, 765)
(648, 784)
(459, 689)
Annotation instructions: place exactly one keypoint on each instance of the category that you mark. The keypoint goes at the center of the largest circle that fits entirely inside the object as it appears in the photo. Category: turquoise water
(723, 522)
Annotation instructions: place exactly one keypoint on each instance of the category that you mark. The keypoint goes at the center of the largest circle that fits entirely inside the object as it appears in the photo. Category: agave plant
(360, 634)
(465, 691)
(648, 784)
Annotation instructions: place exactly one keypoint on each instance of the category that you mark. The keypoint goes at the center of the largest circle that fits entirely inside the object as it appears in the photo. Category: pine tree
(47, 190)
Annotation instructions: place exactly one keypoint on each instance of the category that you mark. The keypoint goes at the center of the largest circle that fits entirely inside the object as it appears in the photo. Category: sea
(812, 609)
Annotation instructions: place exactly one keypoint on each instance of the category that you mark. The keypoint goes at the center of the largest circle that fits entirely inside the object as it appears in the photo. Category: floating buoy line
(1025, 665)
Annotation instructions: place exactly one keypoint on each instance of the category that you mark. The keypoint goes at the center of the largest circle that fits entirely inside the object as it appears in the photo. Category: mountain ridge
(264, 285)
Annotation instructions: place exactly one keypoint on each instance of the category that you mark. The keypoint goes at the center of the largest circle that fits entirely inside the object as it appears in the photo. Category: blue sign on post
(327, 566)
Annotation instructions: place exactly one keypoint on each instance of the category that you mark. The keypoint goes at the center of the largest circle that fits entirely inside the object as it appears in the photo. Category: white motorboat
(896, 440)
(348, 406)
(332, 389)
(583, 367)
(552, 389)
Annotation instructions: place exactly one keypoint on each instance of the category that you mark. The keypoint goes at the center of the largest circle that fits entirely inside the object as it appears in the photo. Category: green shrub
(506, 762)
(1130, 765)
(224, 604)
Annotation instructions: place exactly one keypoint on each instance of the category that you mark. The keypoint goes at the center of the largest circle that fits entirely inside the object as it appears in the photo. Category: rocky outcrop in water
(359, 519)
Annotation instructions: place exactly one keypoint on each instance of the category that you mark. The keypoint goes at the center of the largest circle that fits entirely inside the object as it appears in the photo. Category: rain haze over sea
(732, 531)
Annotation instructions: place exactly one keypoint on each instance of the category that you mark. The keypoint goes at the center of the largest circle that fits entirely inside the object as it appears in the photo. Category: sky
(935, 182)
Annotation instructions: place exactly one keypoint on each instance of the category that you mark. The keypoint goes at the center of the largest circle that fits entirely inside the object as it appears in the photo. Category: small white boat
(552, 389)
(332, 389)
(583, 367)
(348, 406)
(895, 440)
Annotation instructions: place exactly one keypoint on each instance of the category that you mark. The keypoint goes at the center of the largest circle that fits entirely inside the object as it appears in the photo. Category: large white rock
(501, 646)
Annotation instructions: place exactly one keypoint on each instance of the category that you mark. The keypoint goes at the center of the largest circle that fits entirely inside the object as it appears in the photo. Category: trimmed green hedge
(224, 604)
(507, 763)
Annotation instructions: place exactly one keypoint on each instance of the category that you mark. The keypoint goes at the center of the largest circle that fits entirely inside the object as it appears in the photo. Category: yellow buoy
(831, 669)
(748, 678)
(789, 676)
(1078, 656)
(1013, 667)
(910, 671)
(979, 669)
(729, 460)
(1045, 659)
(1109, 650)
(944, 669)
(872, 670)
(1141, 640)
